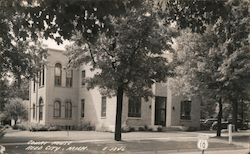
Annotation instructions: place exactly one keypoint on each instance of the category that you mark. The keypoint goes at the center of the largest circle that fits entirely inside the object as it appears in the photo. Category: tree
(210, 66)
(18, 51)
(20, 91)
(129, 59)
(14, 109)
(231, 26)
(4, 93)
(93, 17)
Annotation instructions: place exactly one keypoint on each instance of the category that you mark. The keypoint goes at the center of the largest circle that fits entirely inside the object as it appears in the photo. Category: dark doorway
(160, 110)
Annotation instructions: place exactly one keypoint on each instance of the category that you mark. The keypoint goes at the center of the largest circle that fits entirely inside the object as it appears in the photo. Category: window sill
(185, 120)
(69, 87)
(41, 86)
(68, 118)
(134, 118)
(103, 117)
(57, 117)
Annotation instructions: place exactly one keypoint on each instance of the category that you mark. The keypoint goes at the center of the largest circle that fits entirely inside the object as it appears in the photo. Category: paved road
(125, 147)
(101, 143)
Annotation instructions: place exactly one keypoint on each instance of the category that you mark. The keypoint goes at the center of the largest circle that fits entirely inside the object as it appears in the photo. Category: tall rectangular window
(34, 111)
(68, 109)
(134, 107)
(186, 110)
(103, 106)
(83, 77)
(34, 85)
(40, 78)
(43, 75)
(82, 107)
(69, 78)
(40, 109)
(57, 109)
(58, 74)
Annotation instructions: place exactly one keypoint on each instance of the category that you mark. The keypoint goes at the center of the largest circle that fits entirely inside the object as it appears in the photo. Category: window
(134, 107)
(57, 109)
(34, 111)
(43, 75)
(82, 107)
(39, 78)
(103, 107)
(68, 109)
(40, 109)
(83, 77)
(58, 74)
(69, 78)
(34, 85)
(186, 110)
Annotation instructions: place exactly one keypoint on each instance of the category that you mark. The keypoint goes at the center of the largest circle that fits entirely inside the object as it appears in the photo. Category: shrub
(54, 128)
(146, 127)
(43, 128)
(90, 128)
(15, 127)
(141, 128)
(103, 128)
(20, 126)
(125, 129)
(39, 128)
(159, 129)
(2, 131)
(150, 129)
(87, 127)
(191, 129)
(132, 129)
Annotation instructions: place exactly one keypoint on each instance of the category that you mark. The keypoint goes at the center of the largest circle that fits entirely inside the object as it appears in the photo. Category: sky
(52, 44)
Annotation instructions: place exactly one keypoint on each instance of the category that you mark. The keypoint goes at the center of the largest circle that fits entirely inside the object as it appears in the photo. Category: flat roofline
(56, 50)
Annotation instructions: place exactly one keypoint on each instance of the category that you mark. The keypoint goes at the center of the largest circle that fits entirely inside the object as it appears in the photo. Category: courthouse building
(60, 98)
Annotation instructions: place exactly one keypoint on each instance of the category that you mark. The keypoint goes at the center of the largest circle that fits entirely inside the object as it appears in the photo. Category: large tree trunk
(118, 122)
(219, 119)
(235, 113)
(242, 110)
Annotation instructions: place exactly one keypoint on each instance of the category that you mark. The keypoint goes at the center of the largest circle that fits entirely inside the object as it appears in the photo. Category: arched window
(58, 74)
(57, 109)
(68, 109)
(40, 109)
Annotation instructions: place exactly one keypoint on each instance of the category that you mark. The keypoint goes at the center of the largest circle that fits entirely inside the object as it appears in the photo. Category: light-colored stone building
(60, 98)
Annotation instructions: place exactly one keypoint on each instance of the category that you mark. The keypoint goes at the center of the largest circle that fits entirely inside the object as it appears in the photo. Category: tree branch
(92, 57)
(112, 56)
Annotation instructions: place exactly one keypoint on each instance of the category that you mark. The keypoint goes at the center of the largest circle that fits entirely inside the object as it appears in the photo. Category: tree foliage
(15, 110)
(131, 55)
(218, 61)
(125, 41)
(129, 58)
(194, 14)
(12, 90)
(17, 50)
(4, 93)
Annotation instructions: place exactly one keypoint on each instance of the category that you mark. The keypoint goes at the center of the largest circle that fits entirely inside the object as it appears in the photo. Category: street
(135, 142)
